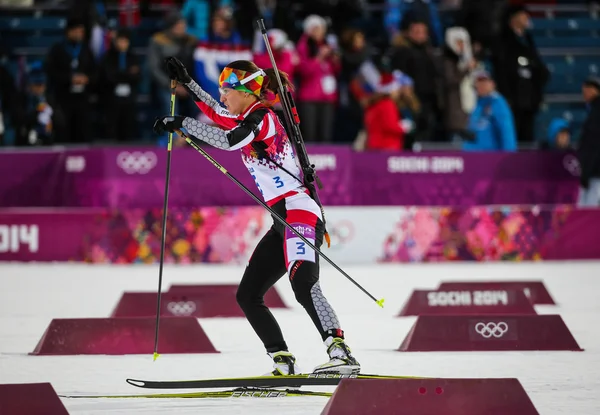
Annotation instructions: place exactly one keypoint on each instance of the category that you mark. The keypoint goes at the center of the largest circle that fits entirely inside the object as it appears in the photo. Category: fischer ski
(311, 379)
(234, 393)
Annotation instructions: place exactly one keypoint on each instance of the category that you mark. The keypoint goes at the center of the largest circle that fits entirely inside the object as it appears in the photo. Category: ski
(310, 379)
(234, 393)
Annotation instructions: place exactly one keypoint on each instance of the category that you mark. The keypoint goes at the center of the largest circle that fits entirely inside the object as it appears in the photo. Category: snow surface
(31, 295)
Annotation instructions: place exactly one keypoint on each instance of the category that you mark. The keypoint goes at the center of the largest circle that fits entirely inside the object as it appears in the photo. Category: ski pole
(164, 222)
(275, 215)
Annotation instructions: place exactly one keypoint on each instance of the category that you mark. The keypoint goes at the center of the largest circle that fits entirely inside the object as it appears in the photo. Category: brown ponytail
(271, 84)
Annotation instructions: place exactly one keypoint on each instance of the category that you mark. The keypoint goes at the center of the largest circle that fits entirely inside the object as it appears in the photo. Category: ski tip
(380, 302)
(135, 382)
(155, 356)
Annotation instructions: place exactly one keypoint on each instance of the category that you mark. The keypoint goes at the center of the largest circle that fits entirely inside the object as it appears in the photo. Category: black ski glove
(168, 124)
(177, 71)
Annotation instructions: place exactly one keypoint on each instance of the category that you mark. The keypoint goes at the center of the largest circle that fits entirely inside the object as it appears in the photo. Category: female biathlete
(253, 128)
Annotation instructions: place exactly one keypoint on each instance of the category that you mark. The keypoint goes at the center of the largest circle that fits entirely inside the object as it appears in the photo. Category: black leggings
(267, 265)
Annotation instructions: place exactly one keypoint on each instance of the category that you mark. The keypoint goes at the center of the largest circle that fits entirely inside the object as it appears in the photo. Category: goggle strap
(254, 75)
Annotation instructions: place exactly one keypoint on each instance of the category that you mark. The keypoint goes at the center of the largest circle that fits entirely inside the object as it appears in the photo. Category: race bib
(329, 84)
(296, 248)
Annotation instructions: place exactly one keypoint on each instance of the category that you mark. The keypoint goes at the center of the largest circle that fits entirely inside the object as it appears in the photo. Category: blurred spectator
(70, 70)
(34, 126)
(520, 72)
(129, 13)
(284, 52)
(285, 55)
(409, 107)
(317, 92)
(173, 41)
(119, 80)
(589, 145)
(383, 125)
(362, 88)
(459, 92)
(91, 13)
(101, 34)
(482, 19)
(222, 30)
(339, 14)
(197, 17)
(559, 136)
(280, 14)
(491, 121)
(355, 51)
(412, 55)
(399, 14)
(8, 95)
(384, 97)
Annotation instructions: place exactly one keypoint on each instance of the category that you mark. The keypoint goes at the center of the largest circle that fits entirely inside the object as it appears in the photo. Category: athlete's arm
(210, 106)
(216, 137)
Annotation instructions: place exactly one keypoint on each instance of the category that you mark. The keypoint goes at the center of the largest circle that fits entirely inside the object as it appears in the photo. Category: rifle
(292, 124)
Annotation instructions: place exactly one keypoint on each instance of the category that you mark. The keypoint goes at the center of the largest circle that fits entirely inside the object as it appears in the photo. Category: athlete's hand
(168, 124)
(181, 91)
(176, 70)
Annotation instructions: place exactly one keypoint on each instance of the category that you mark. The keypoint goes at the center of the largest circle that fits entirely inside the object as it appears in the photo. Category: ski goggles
(238, 80)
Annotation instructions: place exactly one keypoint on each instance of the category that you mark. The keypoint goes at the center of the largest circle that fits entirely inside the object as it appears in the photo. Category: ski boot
(341, 360)
(284, 363)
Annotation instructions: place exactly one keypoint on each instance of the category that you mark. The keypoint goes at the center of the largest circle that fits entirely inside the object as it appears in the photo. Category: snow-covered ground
(31, 295)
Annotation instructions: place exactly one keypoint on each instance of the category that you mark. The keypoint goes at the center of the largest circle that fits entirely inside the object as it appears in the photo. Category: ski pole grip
(261, 26)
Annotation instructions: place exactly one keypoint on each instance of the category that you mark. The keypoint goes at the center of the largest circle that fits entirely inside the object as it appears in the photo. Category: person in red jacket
(383, 125)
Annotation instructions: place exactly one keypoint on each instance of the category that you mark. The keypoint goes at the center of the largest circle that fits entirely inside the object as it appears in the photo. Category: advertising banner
(359, 235)
(134, 177)
(49, 235)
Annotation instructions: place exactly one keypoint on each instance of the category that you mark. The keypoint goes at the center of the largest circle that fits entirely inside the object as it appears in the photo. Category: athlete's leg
(265, 267)
(303, 270)
(304, 278)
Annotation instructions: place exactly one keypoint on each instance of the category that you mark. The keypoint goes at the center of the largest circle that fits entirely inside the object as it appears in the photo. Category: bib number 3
(296, 249)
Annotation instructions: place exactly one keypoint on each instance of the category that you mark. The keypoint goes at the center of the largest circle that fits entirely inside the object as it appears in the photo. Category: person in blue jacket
(492, 120)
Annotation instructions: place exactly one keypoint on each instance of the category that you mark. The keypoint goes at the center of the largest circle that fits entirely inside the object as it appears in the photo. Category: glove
(168, 124)
(177, 71)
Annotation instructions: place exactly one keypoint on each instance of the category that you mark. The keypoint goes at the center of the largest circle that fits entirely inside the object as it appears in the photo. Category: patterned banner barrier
(125, 177)
(359, 235)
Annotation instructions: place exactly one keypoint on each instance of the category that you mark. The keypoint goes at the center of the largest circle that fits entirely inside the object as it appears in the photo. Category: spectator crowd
(381, 80)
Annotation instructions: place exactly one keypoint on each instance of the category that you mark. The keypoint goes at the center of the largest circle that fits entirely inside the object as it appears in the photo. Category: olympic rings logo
(181, 308)
(136, 162)
(488, 330)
